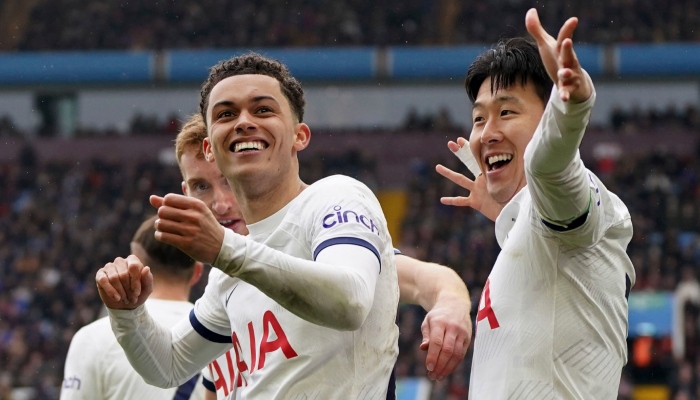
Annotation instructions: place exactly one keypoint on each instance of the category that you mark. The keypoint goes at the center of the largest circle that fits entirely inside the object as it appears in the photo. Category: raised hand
(188, 224)
(560, 59)
(125, 283)
(478, 198)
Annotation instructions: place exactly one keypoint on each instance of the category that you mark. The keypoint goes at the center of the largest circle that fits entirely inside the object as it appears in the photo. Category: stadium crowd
(104, 24)
(60, 222)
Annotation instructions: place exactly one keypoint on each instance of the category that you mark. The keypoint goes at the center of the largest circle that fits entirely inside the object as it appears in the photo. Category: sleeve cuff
(232, 253)
(209, 385)
(569, 108)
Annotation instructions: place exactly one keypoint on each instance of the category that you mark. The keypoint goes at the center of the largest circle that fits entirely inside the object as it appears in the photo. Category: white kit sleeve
(556, 177)
(336, 290)
(164, 358)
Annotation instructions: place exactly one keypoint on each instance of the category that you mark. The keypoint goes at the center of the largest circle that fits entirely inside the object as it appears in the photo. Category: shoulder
(338, 189)
(96, 334)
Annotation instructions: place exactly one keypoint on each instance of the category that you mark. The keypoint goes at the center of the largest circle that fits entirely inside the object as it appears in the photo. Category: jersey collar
(270, 223)
(506, 219)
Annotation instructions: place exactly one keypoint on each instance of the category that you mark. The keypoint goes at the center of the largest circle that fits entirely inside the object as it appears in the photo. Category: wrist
(448, 298)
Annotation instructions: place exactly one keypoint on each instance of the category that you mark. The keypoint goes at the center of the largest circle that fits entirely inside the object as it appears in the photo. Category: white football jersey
(97, 368)
(277, 355)
(552, 320)
(220, 377)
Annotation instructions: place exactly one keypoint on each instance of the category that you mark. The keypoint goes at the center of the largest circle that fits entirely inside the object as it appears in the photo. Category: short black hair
(165, 260)
(510, 61)
(254, 64)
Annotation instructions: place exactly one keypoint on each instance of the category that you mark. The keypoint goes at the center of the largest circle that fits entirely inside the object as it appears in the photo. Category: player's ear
(207, 150)
(302, 136)
(198, 270)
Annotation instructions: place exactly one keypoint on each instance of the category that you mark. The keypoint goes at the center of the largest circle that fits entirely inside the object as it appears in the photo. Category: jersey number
(486, 312)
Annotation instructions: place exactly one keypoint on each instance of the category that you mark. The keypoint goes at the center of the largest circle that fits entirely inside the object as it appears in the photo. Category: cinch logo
(341, 217)
(71, 383)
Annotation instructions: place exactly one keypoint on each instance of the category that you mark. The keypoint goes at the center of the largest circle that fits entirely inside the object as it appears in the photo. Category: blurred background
(92, 93)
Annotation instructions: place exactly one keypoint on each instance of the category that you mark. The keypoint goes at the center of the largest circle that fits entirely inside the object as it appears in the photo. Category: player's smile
(495, 162)
(247, 145)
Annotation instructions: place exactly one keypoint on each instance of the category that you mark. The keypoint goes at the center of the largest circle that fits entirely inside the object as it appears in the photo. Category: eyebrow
(256, 99)
(505, 98)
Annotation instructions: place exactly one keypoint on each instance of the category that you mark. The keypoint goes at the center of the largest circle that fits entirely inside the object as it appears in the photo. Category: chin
(501, 195)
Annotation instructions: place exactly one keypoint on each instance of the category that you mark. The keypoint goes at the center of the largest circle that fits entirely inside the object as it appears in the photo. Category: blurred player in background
(96, 364)
(447, 326)
(312, 305)
(552, 321)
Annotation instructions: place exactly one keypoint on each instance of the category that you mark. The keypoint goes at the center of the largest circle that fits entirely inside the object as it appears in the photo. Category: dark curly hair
(254, 64)
(510, 61)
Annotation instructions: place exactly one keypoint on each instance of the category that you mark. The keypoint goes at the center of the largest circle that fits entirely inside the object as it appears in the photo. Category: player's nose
(221, 203)
(245, 122)
(492, 132)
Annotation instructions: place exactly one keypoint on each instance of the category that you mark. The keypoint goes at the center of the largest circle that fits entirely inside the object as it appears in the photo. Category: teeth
(226, 222)
(501, 157)
(256, 145)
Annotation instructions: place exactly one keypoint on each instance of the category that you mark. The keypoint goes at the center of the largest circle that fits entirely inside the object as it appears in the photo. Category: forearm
(426, 284)
(336, 290)
(556, 175)
(164, 358)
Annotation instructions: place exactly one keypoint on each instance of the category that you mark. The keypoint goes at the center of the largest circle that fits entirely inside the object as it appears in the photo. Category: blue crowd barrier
(658, 60)
(76, 67)
(325, 64)
(304, 63)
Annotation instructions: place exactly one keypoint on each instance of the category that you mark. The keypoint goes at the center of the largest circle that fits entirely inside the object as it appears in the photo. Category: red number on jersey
(487, 312)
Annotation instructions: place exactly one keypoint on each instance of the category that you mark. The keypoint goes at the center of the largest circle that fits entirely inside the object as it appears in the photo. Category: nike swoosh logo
(229, 295)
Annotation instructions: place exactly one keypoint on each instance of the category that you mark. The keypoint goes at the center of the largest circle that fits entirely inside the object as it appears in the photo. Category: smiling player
(552, 321)
(311, 306)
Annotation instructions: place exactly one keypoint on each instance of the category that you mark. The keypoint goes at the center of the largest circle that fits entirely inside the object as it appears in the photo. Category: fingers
(435, 335)
(448, 351)
(567, 56)
(156, 201)
(534, 27)
(134, 267)
(146, 282)
(455, 177)
(458, 201)
(454, 147)
(104, 284)
(170, 238)
(566, 31)
(176, 201)
(117, 278)
(460, 350)
(462, 141)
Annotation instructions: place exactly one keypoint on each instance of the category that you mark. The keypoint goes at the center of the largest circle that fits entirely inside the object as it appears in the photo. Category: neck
(258, 201)
(257, 208)
(164, 290)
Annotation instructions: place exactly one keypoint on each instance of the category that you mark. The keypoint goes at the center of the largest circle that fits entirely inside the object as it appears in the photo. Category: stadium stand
(103, 24)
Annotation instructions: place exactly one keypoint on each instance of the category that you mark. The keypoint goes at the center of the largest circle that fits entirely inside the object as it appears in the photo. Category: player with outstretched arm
(552, 321)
